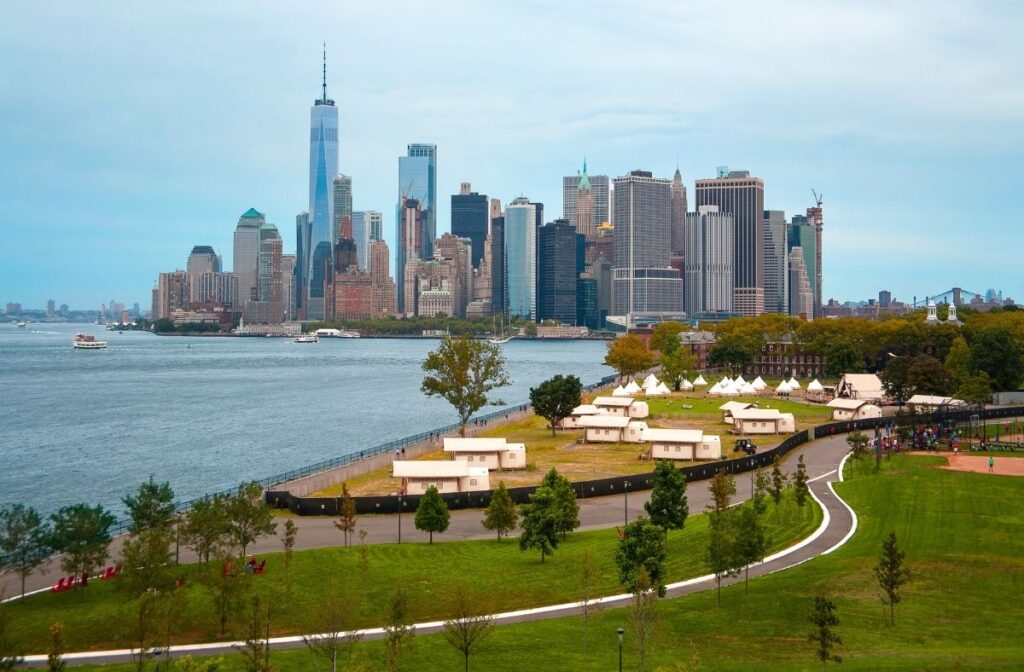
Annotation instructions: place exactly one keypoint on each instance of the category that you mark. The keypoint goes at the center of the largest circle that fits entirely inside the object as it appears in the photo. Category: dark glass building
(587, 314)
(556, 276)
(469, 220)
(499, 285)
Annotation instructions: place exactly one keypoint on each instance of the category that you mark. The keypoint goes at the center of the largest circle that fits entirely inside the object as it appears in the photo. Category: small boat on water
(498, 336)
(20, 325)
(335, 333)
(88, 342)
(306, 338)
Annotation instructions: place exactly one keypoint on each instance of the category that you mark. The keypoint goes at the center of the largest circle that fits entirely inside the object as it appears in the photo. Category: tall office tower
(804, 234)
(303, 234)
(51, 308)
(213, 288)
(556, 272)
(601, 271)
(362, 223)
(710, 249)
(430, 287)
(383, 300)
(815, 217)
(288, 279)
(495, 208)
(323, 166)
(352, 295)
(170, 294)
(884, 298)
(587, 314)
(584, 207)
(417, 179)
(457, 252)
(521, 258)
(408, 243)
(269, 307)
(245, 263)
(644, 282)
(801, 296)
(499, 267)
(342, 199)
(599, 192)
(346, 256)
(202, 259)
(470, 212)
(678, 213)
(376, 220)
(482, 279)
(776, 262)
(741, 195)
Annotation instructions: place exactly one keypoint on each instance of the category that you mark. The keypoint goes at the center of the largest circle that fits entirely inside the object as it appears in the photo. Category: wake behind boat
(88, 342)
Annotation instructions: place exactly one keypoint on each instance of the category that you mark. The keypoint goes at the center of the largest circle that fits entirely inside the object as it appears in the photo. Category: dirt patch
(1005, 466)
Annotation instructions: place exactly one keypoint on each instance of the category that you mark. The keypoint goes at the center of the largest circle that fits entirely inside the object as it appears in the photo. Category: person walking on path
(991, 463)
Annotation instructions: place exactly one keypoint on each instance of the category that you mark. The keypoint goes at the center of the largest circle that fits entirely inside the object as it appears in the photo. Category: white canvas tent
(793, 383)
(663, 388)
(739, 381)
(699, 381)
(686, 385)
(620, 391)
(650, 381)
(783, 388)
(632, 387)
(815, 386)
(759, 383)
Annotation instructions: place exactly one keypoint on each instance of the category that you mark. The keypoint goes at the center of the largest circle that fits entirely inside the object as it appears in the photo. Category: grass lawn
(510, 579)
(964, 538)
(703, 405)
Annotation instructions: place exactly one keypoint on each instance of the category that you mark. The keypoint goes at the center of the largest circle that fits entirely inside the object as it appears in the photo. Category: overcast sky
(133, 131)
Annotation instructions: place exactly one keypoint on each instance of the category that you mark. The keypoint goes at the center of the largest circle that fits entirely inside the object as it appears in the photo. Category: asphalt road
(822, 458)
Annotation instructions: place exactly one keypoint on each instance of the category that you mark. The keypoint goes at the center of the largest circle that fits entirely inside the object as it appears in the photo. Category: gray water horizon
(207, 413)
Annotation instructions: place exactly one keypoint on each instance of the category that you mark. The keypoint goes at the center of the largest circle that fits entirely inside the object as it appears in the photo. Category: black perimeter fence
(331, 506)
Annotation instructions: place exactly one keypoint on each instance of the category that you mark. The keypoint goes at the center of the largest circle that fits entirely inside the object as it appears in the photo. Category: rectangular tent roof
(674, 435)
(736, 405)
(474, 445)
(758, 414)
(586, 409)
(604, 421)
(930, 400)
(847, 404)
(434, 469)
(613, 401)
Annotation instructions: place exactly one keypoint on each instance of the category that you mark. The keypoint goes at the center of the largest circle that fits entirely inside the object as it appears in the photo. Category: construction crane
(817, 197)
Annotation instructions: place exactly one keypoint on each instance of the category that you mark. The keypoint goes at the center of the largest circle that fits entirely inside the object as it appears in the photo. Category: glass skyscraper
(417, 179)
(323, 166)
(521, 258)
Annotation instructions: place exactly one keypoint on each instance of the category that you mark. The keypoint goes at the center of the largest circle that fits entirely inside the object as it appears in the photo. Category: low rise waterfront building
(493, 453)
(445, 475)
(612, 429)
(762, 421)
(853, 409)
(626, 407)
(682, 444)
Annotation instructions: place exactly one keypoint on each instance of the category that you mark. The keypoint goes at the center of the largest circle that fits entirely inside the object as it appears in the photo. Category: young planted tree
(291, 533)
(334, 618)
(146, 560)
(976, 389)
(824, 619)
(891, 574)
(205, 527)
(151, 506)
(463, 371)
(82, 534)
(958, 361)
(677, 365)
(249, 516)
(190, 664)
(778, 482)
(628, 356)
(566, 509)
(751, 541)
(432, 513)
(721, 554)
(801, 490)
(501, 516)
(668, 506)
(540, 523)
(587, 579)
(255, 651)
(643, 616)
(55, 656)
(228, 588)
(10, 655)
(469, 624)
(723, 487)
(398, 630)
(24, 541)
(858, 443)
(555, 398)
(642, 553)
(347, 520)
(761, 487)
(142, 628)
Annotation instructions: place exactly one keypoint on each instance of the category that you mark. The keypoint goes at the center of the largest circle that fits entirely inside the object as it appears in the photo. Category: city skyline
(885, 132)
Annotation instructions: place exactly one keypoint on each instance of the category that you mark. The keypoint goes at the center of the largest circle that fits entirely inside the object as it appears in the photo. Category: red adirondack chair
(59, 586)
(258, 569)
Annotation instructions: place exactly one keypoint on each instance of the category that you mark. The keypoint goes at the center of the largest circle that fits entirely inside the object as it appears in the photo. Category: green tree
(398, 630)
(463, 371)
(555, 398)
(540, 523)
(721, 553)
(896, 379)
(997, 353)
(228, 588)
(24, 541)
(642, 545)
(291, 533)
(190, 664)
(588, 579)
(347, 520)
(668, 506)
(958, 361)
(751, 540)
(677, 365)
(800, 488)
(976, 389)
(628, 356)
(255, 651)
(249, 516)
(432, 513)
(928, 375)
(731, 354)
(151, 506)
(723, 487)
(643, 621)
(82, 534)
(778, 481)
(205, 527)
(858, 443)
(665, 337)
(824, 619)
(141, 628)
(891, 574)
(146, 560)
(334, 619)
(10, 655)
(841, 356)
(469, 623)
(501, 515)
(55, 656)
(759, 500)
(566, 509)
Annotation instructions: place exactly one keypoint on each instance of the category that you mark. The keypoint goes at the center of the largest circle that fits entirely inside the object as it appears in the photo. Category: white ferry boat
(20, 325)
(88, 342)
(336, 333)
(306, 338)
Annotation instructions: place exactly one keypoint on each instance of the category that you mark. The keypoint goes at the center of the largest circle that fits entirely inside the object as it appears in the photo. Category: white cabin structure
(683, 444)
(865, 386)
(762, 421)
(626, 407)
(573, 421)
(926, 403)
(853, 409)
(728, 407)
(487, 452)
(445, 475)
(612, 429)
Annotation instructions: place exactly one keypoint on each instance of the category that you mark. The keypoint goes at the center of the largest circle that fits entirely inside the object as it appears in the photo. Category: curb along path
(839, 522)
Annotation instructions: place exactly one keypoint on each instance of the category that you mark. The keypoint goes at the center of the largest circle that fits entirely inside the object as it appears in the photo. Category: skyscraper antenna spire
(325, 71)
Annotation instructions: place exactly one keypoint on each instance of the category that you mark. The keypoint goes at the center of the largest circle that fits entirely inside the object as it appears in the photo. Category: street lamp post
(399, 517)
(625, 502)
(620, 632)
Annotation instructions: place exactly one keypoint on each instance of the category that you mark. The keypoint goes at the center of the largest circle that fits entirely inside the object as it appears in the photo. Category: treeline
(414, 326)
(166, 326)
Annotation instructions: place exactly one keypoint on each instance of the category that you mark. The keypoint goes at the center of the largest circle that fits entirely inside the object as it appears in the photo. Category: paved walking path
(824, 463)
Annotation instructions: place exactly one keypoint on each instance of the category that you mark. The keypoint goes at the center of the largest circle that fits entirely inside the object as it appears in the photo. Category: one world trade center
(323, 166)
